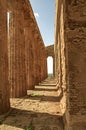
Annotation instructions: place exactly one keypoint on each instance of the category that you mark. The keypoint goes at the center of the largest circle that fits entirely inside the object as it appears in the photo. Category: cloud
(36, 15)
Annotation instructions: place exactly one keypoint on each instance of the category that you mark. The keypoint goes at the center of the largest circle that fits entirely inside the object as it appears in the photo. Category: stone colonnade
(23, 62)
(70, 56)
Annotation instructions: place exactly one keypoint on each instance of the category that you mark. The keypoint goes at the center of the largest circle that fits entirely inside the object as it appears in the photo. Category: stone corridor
(23, 66)
(40, 109)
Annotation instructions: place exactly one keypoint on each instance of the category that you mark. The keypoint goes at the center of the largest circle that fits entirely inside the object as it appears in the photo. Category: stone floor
(39, 110)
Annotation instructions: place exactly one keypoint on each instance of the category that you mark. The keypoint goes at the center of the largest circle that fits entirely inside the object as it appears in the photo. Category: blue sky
(44, 11)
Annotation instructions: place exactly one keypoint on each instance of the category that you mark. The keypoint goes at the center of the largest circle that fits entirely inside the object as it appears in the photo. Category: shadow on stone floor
(43, 98)
(45, 89)
(39, 121)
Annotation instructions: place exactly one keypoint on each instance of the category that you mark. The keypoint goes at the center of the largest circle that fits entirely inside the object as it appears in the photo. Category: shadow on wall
(43, 98)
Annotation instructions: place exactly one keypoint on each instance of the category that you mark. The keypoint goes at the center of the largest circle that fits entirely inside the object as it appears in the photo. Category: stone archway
(50, 66)
(50, 52)
(22, 65)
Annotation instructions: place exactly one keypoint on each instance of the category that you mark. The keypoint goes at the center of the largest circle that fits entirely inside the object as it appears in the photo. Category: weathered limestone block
(17, 70)
(4, 85)
(76, 72)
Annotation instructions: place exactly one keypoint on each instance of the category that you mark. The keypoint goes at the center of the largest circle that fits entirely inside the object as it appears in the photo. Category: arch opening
(50, 66)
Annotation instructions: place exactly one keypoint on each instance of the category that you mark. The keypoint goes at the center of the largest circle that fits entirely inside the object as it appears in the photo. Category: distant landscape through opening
(50, 66)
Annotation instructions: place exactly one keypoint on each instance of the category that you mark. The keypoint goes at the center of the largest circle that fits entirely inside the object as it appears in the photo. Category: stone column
(27, 32)
(17, 71)
(53, 66)
(39, 62)
(31, 55)
(39, 56)
(32, 40)
(36, 57)
(32, 67)
(41, 59)
(29, 45)
(43, 63)
(4, 86)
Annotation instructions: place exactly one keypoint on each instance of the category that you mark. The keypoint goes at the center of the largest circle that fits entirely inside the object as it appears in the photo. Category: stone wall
(4, 86)
(50, 50)
(70, 55)
(76, 71)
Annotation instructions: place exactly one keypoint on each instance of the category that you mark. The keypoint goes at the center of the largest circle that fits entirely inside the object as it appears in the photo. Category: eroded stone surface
(70, 55)
(4, 85)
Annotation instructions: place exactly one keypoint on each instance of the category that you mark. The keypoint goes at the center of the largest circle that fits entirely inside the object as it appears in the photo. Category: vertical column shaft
(17, 73)
(4, 86)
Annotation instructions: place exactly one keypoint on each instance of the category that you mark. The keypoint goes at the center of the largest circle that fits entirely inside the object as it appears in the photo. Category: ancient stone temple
(23, 56)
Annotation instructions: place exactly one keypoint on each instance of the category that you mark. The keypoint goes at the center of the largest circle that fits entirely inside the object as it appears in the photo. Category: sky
(44, 11)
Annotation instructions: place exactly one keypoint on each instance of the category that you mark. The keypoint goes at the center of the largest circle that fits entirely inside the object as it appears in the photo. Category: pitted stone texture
(4, 85)
(16, 45)
(76, 39)
(70, 51)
